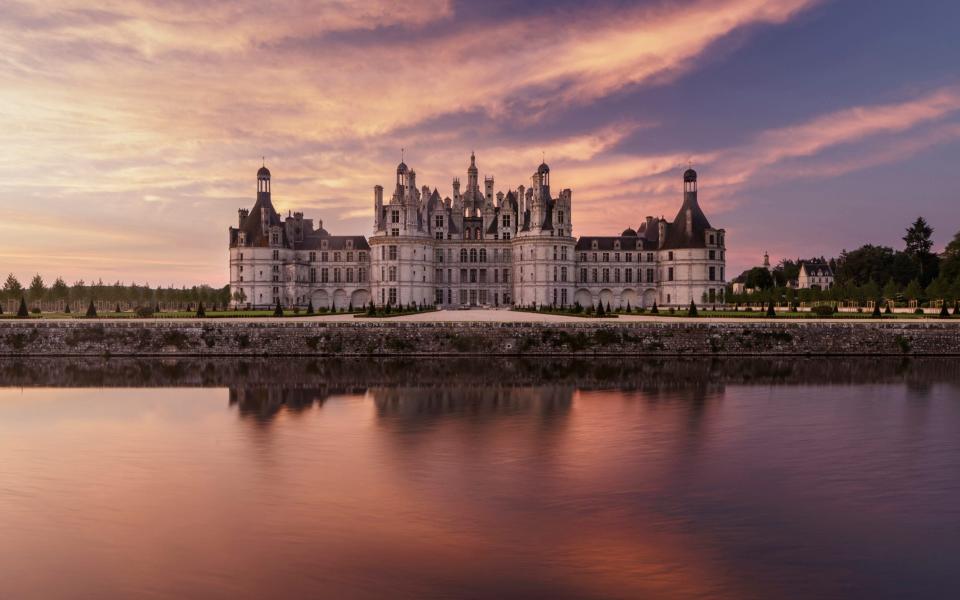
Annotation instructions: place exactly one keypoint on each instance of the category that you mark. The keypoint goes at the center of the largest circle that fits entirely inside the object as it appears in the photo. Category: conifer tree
(654, 310)
(771, 312)
(91, 311)
(692, 311)
(628, 307)
(278, 310)
(888, 310)
(600, 311)
(876, 310)
(201, 313)
(944, 311)
(118, 308)
(310, 306)
(22, 312)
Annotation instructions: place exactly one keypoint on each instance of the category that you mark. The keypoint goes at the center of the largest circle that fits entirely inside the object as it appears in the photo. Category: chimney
(661, 233)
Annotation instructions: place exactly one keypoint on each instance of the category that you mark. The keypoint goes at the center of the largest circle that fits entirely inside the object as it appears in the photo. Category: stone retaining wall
(395, 338)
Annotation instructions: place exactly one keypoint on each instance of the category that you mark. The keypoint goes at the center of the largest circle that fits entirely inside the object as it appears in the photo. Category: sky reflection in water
(675, 479)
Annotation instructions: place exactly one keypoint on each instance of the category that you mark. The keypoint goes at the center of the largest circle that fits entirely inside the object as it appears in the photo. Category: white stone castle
(473, 250)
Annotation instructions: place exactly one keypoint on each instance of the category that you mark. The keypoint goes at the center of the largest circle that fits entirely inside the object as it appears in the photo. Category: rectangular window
(506, 276)
(628, 275)
(649, 275)
(563, 274)
(336, 275)
(395, 216)
(713, 274)
(393, 253)
(483, 275)
(713, 255)
(606, 257)
(669, 273)
(313, 257)
(670, 255)
(394, 232)
(583, 275)
(324, 256)
(629, 257)
(393, 295)
(361, 274)
(393, 273)
(349, 256)
(616, 275)
(506, 221)
(438, 221)
(336, 257)
(324, 275)
(313, 275)
(563, 297)
(593, 275)
(606, 275)
(473, 275)
(349, 275)
(276, 255)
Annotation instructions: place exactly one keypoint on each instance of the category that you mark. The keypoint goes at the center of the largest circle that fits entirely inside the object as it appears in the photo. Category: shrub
(600, 311)
(1, 307)
(944, 311)
(918, 311)
(278, 310)
(823, 310)
(310, 310)
(118, 308)
(692, 311)
(201, 312)
(888, 310)
(66, 309)
(608, 307)
(653, 309)
(771, 312)
(956, 309)
(91, 311)
(22, 312)
(876, 310)
(628, 307)
(35, 310)
(144, 311)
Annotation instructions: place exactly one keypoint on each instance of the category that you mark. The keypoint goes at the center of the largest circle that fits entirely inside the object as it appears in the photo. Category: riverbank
(625, 336)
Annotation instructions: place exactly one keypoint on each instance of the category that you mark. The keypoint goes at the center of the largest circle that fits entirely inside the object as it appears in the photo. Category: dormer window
(242, 238)
(616, 244)
(323, 244)
(594, 245)
(349, 244)
(274, 238)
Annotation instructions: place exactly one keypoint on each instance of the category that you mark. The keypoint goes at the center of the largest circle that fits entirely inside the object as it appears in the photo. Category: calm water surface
(797, 478)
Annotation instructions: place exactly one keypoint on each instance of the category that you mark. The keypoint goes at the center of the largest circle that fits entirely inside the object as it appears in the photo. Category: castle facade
(475, 249)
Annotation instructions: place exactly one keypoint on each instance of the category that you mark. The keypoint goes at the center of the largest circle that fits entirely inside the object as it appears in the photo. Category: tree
(876, 309)
(944, 311)
(201, 312)
(91, 311)
(771, 312)
(278, 310)
(758, 278)
(37, 288)
(654, 310)
(692, 311)
(59, 289)
(12, 285)
(890, 290)
(22, 312)
(628, 307)
(914, 291)
(310, 306)
(600, 312)
(918, 244)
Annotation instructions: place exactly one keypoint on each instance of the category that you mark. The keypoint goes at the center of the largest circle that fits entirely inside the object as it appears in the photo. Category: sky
(132, 131)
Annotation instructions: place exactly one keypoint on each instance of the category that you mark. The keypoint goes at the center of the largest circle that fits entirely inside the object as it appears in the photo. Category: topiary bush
(278, 310)
(771, 312)
(824, 310)
(692, 311)
(91, 311)
(22, 312)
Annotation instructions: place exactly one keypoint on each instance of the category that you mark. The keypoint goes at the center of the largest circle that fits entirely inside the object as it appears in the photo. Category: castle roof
(678, 236)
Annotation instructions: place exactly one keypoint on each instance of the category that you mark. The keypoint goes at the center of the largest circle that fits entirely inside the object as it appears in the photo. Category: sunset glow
(132, 131)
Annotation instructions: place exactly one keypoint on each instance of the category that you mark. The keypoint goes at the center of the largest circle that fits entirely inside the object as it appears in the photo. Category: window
(349, 256)
(313, 275)
(439, 276)
(628, 276)
(506, 276)
(670, 274)
(395, 216)
(439, 255)
(563, 273)
(439, 236)
(583, 275)
(438, 221)
(649, 256)
(713, 274)
(274, 238)
(560, 217)
(555, 273)
(393, 253)
(483, 275)
(506, 235)
(563, 297)
(670, 255)
(463, 255)
(324, 275)
(394, 232)
(313, 257)
(606, 275)
(473, 275)
(361, 274)
(393, 295)
(593, 275)
(463, 276)
(563, 253)
(616, 275)
(711, 243)
(473, 255)
(496, 275)
(393, 274)
(649, 275)
(483, 255)
(336, 275)
(349, 275)
(713, 255)
(362, 256)
(554, 253)
(276, 255)
(336, 257)
(506, 220)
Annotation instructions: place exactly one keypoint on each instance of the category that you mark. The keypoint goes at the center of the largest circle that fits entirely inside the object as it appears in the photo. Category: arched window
(473, 255)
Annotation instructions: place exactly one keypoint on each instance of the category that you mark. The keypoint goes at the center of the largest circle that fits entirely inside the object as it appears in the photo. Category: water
(787, 478)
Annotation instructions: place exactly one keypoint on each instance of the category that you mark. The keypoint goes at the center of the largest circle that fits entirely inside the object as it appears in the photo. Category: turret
(472, 180)
(488, 189)
(243, 213)
(377, 207)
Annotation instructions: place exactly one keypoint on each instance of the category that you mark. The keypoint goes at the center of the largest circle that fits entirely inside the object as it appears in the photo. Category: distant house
(738, 285)
(815, 274)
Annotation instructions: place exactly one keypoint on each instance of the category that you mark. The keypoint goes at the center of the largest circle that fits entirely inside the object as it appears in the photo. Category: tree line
(132, 294)
(870, 273)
